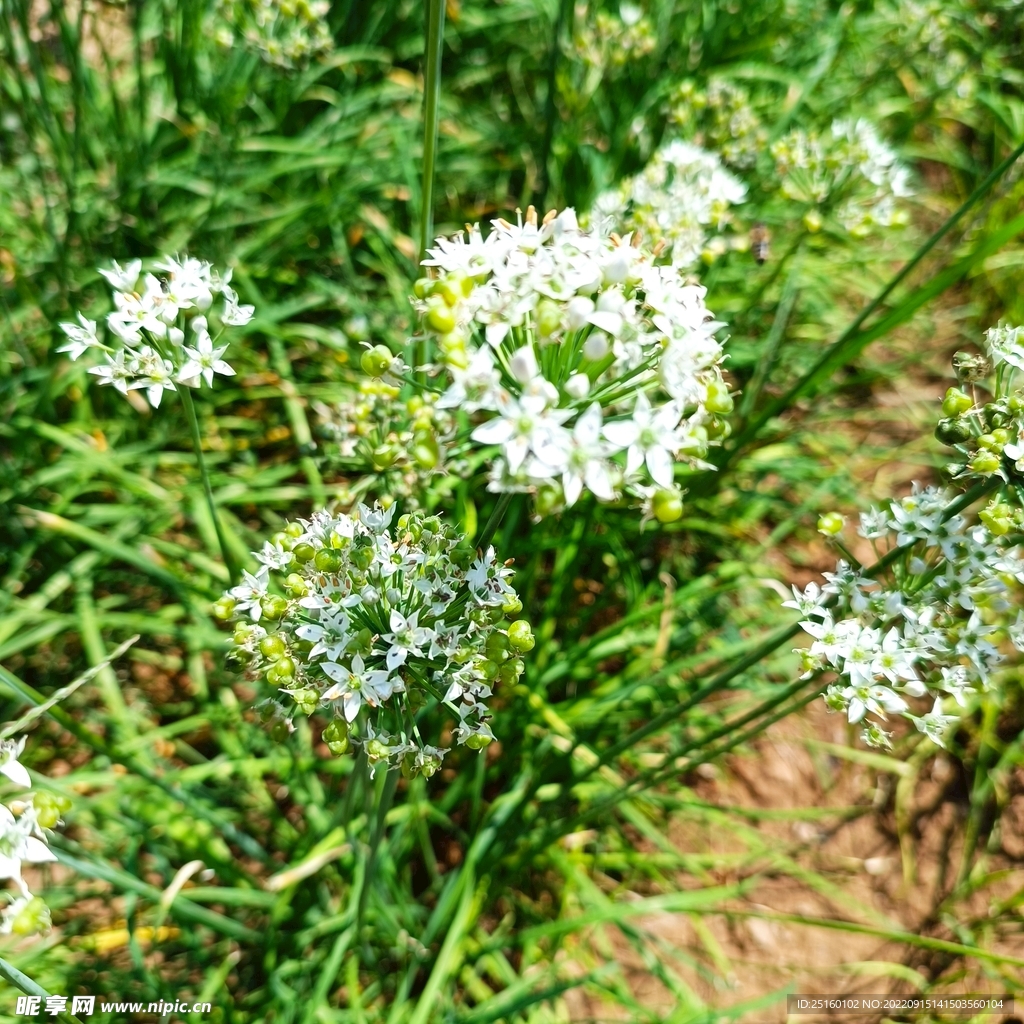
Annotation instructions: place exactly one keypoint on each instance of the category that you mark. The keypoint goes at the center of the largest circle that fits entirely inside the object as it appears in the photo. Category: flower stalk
(197, 443)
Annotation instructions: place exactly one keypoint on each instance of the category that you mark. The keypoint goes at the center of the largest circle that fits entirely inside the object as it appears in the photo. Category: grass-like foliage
(297, 740)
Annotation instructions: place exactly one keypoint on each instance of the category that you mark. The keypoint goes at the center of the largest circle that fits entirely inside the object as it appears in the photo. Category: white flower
(156, 375)
(585, 460)
(651, 437)
(204, 360)
(115, 371)
(250, 592)
(10, 751)
(355, 686)
(1006, 345)
(526, 426)
(235, 315)
(123, 279)
(82, 335)
(935, 725)
(18, 844)
(406, 638)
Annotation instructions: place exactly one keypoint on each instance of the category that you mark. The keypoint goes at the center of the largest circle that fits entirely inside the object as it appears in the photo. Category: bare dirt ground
(834, 840)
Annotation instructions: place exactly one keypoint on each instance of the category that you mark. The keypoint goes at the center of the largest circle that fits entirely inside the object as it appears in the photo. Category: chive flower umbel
(574, 360)
(163, 332)
(375, 626)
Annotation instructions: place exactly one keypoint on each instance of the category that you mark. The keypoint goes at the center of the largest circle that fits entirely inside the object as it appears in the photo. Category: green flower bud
(990, 443)
(285, 668)
(296, 585)
(279, 730)
(273, 647)
(49, 808)
(953, 431)
(273, 607)
(719, 401)
(718, 428)
(327, 560)
(520, 636)
(955, 403)
(998, 517)
(440, 318)
(224, 607)
(376, 361)
(294, 530)
(376, 750)
(513, 606)
(477, 741)
(336, 737)
(362, 556)
(831, 524)
(307, 698)
(813, 221)
(426, 452)
(667, 505)
(448, 289)
(548, 318)
(384, 456)
(303, 553)
(985, 463)
(496, 647)
(32, 919)
(488, 669)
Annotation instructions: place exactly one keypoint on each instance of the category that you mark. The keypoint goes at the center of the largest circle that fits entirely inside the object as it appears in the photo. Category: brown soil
(849, 866)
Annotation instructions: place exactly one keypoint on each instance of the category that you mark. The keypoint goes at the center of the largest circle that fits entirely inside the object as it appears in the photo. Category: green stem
(385, 798)
(14, 977)
(431, 108)
(197, 444)
(431, 105)
(494, 521)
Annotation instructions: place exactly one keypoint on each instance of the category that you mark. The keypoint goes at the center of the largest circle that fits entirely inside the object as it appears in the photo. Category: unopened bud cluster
(285, 33)
(373, 624)
(402, 443)
(719, 118)
(610, 42)
(576, 359)
(987, 436)
(159, 334)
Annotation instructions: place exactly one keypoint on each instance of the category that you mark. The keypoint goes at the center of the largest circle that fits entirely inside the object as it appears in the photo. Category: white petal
(622, 433)
(17, 774)
(659, 463)
(36, 851)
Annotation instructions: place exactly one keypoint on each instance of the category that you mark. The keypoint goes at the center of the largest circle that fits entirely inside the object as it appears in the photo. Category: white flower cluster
(850, 166)
(382, 623)
(682, 193)
(285, 33)
(586, 364)
(160, 336)
(22, 841)
(932, 630)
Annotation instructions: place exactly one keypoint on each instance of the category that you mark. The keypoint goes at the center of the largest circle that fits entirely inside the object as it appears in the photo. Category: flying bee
(760, 242)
